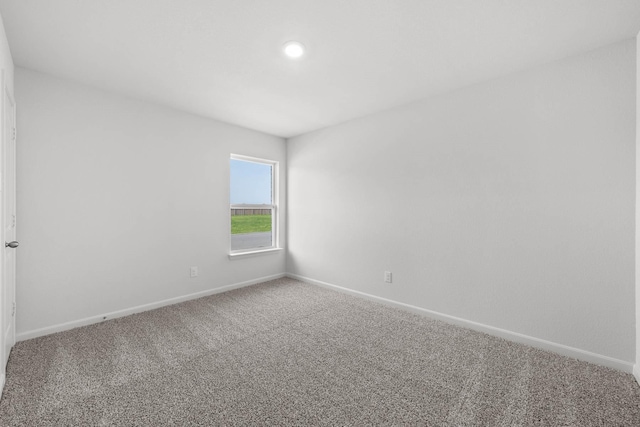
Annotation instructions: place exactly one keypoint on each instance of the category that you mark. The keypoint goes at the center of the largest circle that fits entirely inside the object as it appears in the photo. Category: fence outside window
(242, 211)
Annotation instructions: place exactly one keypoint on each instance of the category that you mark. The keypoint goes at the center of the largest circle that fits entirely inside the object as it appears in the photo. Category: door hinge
(14, 133)
(13, 311)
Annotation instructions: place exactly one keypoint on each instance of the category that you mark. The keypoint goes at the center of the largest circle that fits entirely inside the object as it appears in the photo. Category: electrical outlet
(193, 272)
(387, 277)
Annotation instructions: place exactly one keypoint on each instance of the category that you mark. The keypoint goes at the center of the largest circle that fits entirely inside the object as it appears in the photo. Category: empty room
(305, 212)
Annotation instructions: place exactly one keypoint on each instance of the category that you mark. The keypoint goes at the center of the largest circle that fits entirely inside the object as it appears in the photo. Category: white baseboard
(2, 379)
(636, 373)
(146, 307)
(562, 349)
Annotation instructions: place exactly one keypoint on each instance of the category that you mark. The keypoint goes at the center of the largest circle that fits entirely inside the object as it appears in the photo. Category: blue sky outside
(250, 183)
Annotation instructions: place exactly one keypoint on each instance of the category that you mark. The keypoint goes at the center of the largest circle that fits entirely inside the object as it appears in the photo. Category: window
(253, 204)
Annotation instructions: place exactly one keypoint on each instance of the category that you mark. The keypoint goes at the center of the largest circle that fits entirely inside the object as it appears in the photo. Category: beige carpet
(287, 353)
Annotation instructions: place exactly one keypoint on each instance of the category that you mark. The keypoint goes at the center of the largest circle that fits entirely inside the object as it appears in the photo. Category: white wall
(6, 62)
(117, 198)
(509, 203)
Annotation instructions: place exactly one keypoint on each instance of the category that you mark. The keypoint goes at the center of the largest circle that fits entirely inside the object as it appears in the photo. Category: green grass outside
(250, 223)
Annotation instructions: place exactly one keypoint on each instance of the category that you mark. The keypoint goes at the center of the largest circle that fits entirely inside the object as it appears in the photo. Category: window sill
(239, 255)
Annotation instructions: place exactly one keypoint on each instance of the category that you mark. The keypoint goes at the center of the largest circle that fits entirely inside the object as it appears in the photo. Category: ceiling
(222, 58)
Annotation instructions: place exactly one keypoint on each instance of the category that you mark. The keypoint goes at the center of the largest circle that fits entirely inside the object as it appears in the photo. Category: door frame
(5, 135)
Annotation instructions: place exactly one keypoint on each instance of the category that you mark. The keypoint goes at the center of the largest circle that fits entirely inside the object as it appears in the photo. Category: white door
(8, 201)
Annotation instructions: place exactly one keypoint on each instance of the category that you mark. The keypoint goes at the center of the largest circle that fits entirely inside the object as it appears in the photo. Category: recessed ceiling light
(293, 49)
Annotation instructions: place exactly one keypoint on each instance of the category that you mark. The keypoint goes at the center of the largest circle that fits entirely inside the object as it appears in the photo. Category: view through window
(253, 205)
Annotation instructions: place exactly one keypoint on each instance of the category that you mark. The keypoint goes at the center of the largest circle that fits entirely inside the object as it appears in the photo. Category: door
(8, 199)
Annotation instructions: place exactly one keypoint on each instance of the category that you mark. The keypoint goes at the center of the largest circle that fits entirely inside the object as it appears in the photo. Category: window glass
(253, 208)
(251, 183)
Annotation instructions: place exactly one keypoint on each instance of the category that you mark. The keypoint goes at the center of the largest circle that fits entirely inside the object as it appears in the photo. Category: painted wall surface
(6, 62)
(117, 198)
(509, 203)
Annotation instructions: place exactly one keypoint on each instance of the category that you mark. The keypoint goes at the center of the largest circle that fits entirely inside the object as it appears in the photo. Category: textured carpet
(287, 353)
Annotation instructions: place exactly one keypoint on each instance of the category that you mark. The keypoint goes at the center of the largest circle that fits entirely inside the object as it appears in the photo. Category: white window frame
(275, 176)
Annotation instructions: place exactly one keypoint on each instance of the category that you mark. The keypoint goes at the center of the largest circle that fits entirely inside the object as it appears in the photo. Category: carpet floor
(287, 353)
